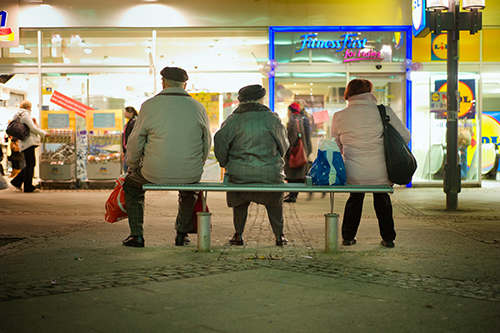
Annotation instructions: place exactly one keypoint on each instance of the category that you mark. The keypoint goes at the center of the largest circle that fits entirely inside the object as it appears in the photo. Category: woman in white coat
(27, 146)
(358, 130)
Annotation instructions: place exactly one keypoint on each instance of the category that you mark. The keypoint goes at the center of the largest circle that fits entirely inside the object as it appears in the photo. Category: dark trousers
(383, 209)
(274, 213)
(26, 175)
(134, 201)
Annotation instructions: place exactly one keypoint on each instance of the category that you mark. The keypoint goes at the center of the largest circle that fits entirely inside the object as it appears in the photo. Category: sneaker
(182, 239)
(134, 241)
(349, 242)
(387, 243)
(281, 240)
(236, 240)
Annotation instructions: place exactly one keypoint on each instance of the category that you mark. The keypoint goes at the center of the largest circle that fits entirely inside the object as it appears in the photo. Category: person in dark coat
(296, 130)
(131, 114)
(250, 145)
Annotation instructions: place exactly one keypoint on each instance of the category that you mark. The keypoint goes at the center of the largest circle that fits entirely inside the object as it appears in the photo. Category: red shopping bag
(197, 208)
(115, 205)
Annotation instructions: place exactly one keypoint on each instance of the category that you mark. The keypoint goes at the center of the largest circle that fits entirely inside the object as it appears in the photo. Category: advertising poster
(467, 91)
(230, 103)
(211, 103)
(439, 47)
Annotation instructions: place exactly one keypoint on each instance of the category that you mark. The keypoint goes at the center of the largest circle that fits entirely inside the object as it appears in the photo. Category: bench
(331, 219)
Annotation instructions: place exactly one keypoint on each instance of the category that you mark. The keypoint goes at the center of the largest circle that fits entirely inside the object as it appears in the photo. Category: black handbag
(18, 130)
(400, 162)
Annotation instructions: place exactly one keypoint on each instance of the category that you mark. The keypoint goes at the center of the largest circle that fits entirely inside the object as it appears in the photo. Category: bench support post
(331, 232)
(204, 227)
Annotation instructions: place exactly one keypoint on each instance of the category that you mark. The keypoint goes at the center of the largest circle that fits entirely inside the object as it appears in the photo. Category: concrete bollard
(331, 232)
(204, 227)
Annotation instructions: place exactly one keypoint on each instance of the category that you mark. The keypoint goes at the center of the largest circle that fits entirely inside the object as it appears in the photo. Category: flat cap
(251, 93)
(174, 74)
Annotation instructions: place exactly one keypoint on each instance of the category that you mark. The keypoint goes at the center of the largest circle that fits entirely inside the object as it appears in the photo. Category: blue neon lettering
(305, 41)
(309, 41)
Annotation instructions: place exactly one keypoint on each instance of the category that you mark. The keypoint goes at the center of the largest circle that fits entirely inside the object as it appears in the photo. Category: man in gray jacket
(251, 144)
(169, 144)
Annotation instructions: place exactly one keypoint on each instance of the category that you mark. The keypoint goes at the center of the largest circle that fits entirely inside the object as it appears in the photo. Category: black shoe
(182, 239)
(349, 242)
(135, 241)
(281, 240)
(289, 199)
(236, 240)
(387, 243)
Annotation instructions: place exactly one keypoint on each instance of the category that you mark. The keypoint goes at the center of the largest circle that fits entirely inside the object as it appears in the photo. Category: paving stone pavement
(58, 244)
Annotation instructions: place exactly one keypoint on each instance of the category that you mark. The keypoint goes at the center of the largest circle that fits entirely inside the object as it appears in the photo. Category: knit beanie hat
(251, 93)
(294, 107)
(174, 74)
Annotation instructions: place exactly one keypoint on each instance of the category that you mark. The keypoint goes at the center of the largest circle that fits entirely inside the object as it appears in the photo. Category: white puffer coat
(358, 130)
(33, 139)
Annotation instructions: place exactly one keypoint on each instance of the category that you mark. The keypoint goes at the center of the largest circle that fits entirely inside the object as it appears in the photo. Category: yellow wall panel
(491, 44)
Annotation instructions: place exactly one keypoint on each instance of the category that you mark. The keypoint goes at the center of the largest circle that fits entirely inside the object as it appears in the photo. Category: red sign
(321, 116)
(70, 104)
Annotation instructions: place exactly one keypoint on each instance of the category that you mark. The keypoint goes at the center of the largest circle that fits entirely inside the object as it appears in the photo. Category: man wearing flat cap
(250, 145)
(169, 144)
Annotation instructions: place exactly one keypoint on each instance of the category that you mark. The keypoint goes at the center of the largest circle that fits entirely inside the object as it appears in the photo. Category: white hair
(172, 83)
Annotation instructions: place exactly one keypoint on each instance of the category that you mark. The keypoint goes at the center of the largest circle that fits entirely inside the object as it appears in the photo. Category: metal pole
(204, 226)
(452, 168)
(331, 232)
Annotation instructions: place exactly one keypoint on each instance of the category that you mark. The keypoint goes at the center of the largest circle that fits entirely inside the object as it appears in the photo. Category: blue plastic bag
(328, 167)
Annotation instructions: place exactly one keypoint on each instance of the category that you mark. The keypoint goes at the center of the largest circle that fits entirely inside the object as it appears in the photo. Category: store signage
(310, 41)
(439, 47)
(420, 28)
(347, 43)
(70, 104)
(9, 23)
(438, 101)
(366, 54)
(466, 90)
(490, 127)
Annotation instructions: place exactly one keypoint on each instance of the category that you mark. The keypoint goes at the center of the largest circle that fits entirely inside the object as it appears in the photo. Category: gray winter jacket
(251, 144)
(171, 138)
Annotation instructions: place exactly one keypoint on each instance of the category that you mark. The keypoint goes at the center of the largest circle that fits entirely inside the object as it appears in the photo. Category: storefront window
(25, 53)
(429, 127)
(212, 50)
(490, 129)
(321, 95)
(340, 46)
(97, 47)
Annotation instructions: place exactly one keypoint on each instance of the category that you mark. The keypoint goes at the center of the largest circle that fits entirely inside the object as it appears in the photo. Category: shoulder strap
(298, 126)
(383, 114)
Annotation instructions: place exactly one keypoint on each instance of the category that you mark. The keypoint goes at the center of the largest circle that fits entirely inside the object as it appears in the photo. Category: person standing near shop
(296, 130)
(131, 114)
(169, 144)
(358, 131)
(27, 147)
(250, 145)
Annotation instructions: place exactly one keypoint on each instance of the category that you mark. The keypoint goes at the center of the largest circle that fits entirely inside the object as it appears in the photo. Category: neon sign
(6, 34)
(365, 54)
(309, 41)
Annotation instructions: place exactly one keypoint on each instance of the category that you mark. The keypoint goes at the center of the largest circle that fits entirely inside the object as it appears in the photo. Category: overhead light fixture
(35, 1)
(437, 4)
(473, 4)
